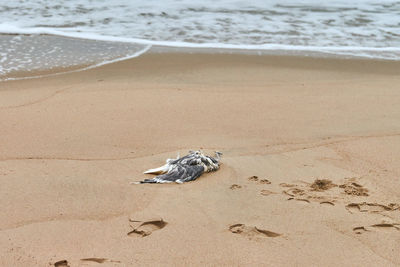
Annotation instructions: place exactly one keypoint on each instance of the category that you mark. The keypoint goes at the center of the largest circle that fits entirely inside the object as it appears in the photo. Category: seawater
(118, 29)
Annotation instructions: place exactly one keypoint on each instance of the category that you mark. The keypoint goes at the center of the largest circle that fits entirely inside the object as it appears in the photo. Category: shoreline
(72, 143)
(75, 46)
(356, 63)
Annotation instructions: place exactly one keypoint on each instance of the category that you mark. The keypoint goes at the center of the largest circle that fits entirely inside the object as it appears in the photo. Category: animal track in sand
(235, 186)
(371, 207)
(146, 227)
(265, 181)
(255, 178)
(251, 231)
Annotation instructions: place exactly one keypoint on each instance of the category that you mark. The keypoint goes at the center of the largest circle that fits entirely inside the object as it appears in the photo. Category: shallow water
(46, 52)
(366, 28)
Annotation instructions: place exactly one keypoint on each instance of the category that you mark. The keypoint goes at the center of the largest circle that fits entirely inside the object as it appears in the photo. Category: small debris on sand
(322, 185)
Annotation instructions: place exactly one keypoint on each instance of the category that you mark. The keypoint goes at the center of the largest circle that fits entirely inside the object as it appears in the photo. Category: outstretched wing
(170, 163)
(179, 173)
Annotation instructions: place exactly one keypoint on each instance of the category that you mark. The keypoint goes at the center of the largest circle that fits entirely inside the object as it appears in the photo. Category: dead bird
(184, 169)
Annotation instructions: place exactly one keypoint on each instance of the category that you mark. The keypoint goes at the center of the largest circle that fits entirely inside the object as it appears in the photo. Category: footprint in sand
(287, 185)
(319, 185)
(377, 227)
(266, 192)
(62, 263)
(354, 189)
(371, 207)
(327, 203)
(299, 199)
(251, 231)
(359, 229)
(309, 192)
(387, 226)
(293, 192)
(144, 228)
(99, 260)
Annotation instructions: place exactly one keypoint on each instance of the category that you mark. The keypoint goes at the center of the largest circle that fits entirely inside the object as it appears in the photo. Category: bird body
(184, 169)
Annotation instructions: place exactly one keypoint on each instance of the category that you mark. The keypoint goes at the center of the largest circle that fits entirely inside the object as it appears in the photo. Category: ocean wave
(357, 50)
(314, 23)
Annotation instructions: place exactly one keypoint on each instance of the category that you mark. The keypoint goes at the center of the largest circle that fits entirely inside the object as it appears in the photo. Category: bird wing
(170, 163)
(179, 173)
(160, 170)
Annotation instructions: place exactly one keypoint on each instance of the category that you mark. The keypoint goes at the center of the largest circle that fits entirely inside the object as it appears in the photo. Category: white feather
(159, 170)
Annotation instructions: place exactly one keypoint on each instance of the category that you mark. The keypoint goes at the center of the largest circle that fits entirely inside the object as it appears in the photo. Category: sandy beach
(310, 174)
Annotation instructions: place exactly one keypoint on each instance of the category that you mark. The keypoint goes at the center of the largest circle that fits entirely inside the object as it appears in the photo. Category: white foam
(144, 50)
(12, 29)
(222, 23)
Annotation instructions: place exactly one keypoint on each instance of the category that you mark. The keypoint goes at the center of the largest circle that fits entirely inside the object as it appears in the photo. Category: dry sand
(70, 145)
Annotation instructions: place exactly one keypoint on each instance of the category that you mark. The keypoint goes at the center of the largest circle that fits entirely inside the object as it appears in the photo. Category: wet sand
(72, 143)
